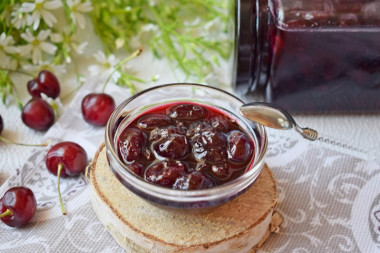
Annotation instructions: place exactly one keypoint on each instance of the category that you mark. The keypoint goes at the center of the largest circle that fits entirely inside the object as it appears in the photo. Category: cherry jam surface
(185, 146)
(312, 56)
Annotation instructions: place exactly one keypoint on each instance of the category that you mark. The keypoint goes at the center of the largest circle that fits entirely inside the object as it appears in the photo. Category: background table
(330, 201)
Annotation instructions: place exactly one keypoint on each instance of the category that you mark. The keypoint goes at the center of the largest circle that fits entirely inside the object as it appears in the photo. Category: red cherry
(38, 114)
(165, 173)
(131, 145)
(239, 147)
(17, 206)
(46, 83)
(175, 146)
(97, 108)
(1, 124)
(152, 121)
(195, 180)
(66, 159)
(187, 112)
(70, 155)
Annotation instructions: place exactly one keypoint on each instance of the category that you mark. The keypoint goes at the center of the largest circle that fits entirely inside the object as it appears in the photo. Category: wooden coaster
(240, 225)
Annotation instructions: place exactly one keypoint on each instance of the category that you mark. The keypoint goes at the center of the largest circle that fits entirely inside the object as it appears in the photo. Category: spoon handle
(307, 133)
(352, 149)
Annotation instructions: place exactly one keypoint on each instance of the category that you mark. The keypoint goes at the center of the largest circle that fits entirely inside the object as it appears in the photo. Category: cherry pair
(37, 113)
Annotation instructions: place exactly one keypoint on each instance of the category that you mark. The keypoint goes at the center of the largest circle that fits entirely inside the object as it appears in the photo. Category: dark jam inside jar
(323, 56)
(185, 146)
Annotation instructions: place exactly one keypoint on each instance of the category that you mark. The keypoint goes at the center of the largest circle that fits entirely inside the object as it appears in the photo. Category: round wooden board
(240, 225)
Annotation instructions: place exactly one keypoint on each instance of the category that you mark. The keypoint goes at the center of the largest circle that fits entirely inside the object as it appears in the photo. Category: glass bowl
(169, 93)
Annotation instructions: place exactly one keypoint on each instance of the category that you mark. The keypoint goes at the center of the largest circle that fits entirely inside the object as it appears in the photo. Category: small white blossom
(144, 35)
(6, 44)
(46, 65)
(36, 45)
(56, 104)
(154, 2)
(7, 62)
(77, 9)
(18, 19)
(70, 42)
(105, 66)
(41, 8)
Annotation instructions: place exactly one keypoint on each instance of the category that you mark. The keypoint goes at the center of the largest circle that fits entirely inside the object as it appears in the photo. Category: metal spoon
(273, 116)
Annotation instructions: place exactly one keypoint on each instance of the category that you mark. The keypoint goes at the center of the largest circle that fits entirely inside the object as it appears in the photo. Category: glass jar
(311, 55)
(131, 108)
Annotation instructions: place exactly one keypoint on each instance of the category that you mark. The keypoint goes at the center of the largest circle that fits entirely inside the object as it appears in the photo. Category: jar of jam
(311, 56)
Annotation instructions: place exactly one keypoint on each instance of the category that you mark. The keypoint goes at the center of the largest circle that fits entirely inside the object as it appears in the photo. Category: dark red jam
(312, 56)
(185, 146)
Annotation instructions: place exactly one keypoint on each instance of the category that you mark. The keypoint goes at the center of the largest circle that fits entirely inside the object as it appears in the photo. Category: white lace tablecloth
(329, 200)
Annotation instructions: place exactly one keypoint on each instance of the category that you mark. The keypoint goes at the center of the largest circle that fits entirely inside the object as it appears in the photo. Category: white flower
(154, 2)
(70, 41)
(18, 19)
(6, 43)
(6, 48)
(56, 104)
(46, 65)
(144, 35)
(41, 8)
(105, 66)
(7, 62)
(36, 45)
(77, 8)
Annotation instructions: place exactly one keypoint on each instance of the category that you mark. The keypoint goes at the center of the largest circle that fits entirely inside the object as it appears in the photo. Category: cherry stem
(60, 166)
(23, 144)
(6, 213)
(136, 53)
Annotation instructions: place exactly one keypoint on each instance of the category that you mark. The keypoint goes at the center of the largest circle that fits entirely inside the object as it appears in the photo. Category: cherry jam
(185, 146)
(311, 56)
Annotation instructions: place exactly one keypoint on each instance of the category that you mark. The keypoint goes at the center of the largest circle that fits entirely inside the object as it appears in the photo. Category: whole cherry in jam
(132, 144)
(185, 146)
(165, 173)
(17, 206)
(193, 181)
(38, 114)
(47, 83)
(239, 149)
(97, 108)
(66, 159)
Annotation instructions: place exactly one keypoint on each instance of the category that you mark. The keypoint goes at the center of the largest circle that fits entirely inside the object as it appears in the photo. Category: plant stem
(60, 166)
(6, 213)
(136, 53)
(23, 144)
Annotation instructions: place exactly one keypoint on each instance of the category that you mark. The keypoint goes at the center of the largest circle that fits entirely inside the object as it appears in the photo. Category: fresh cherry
(12, 142)
(66, 159)
(46, 83)
(38, 114)
(1, 124)
(97, 108)
(17, 206)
